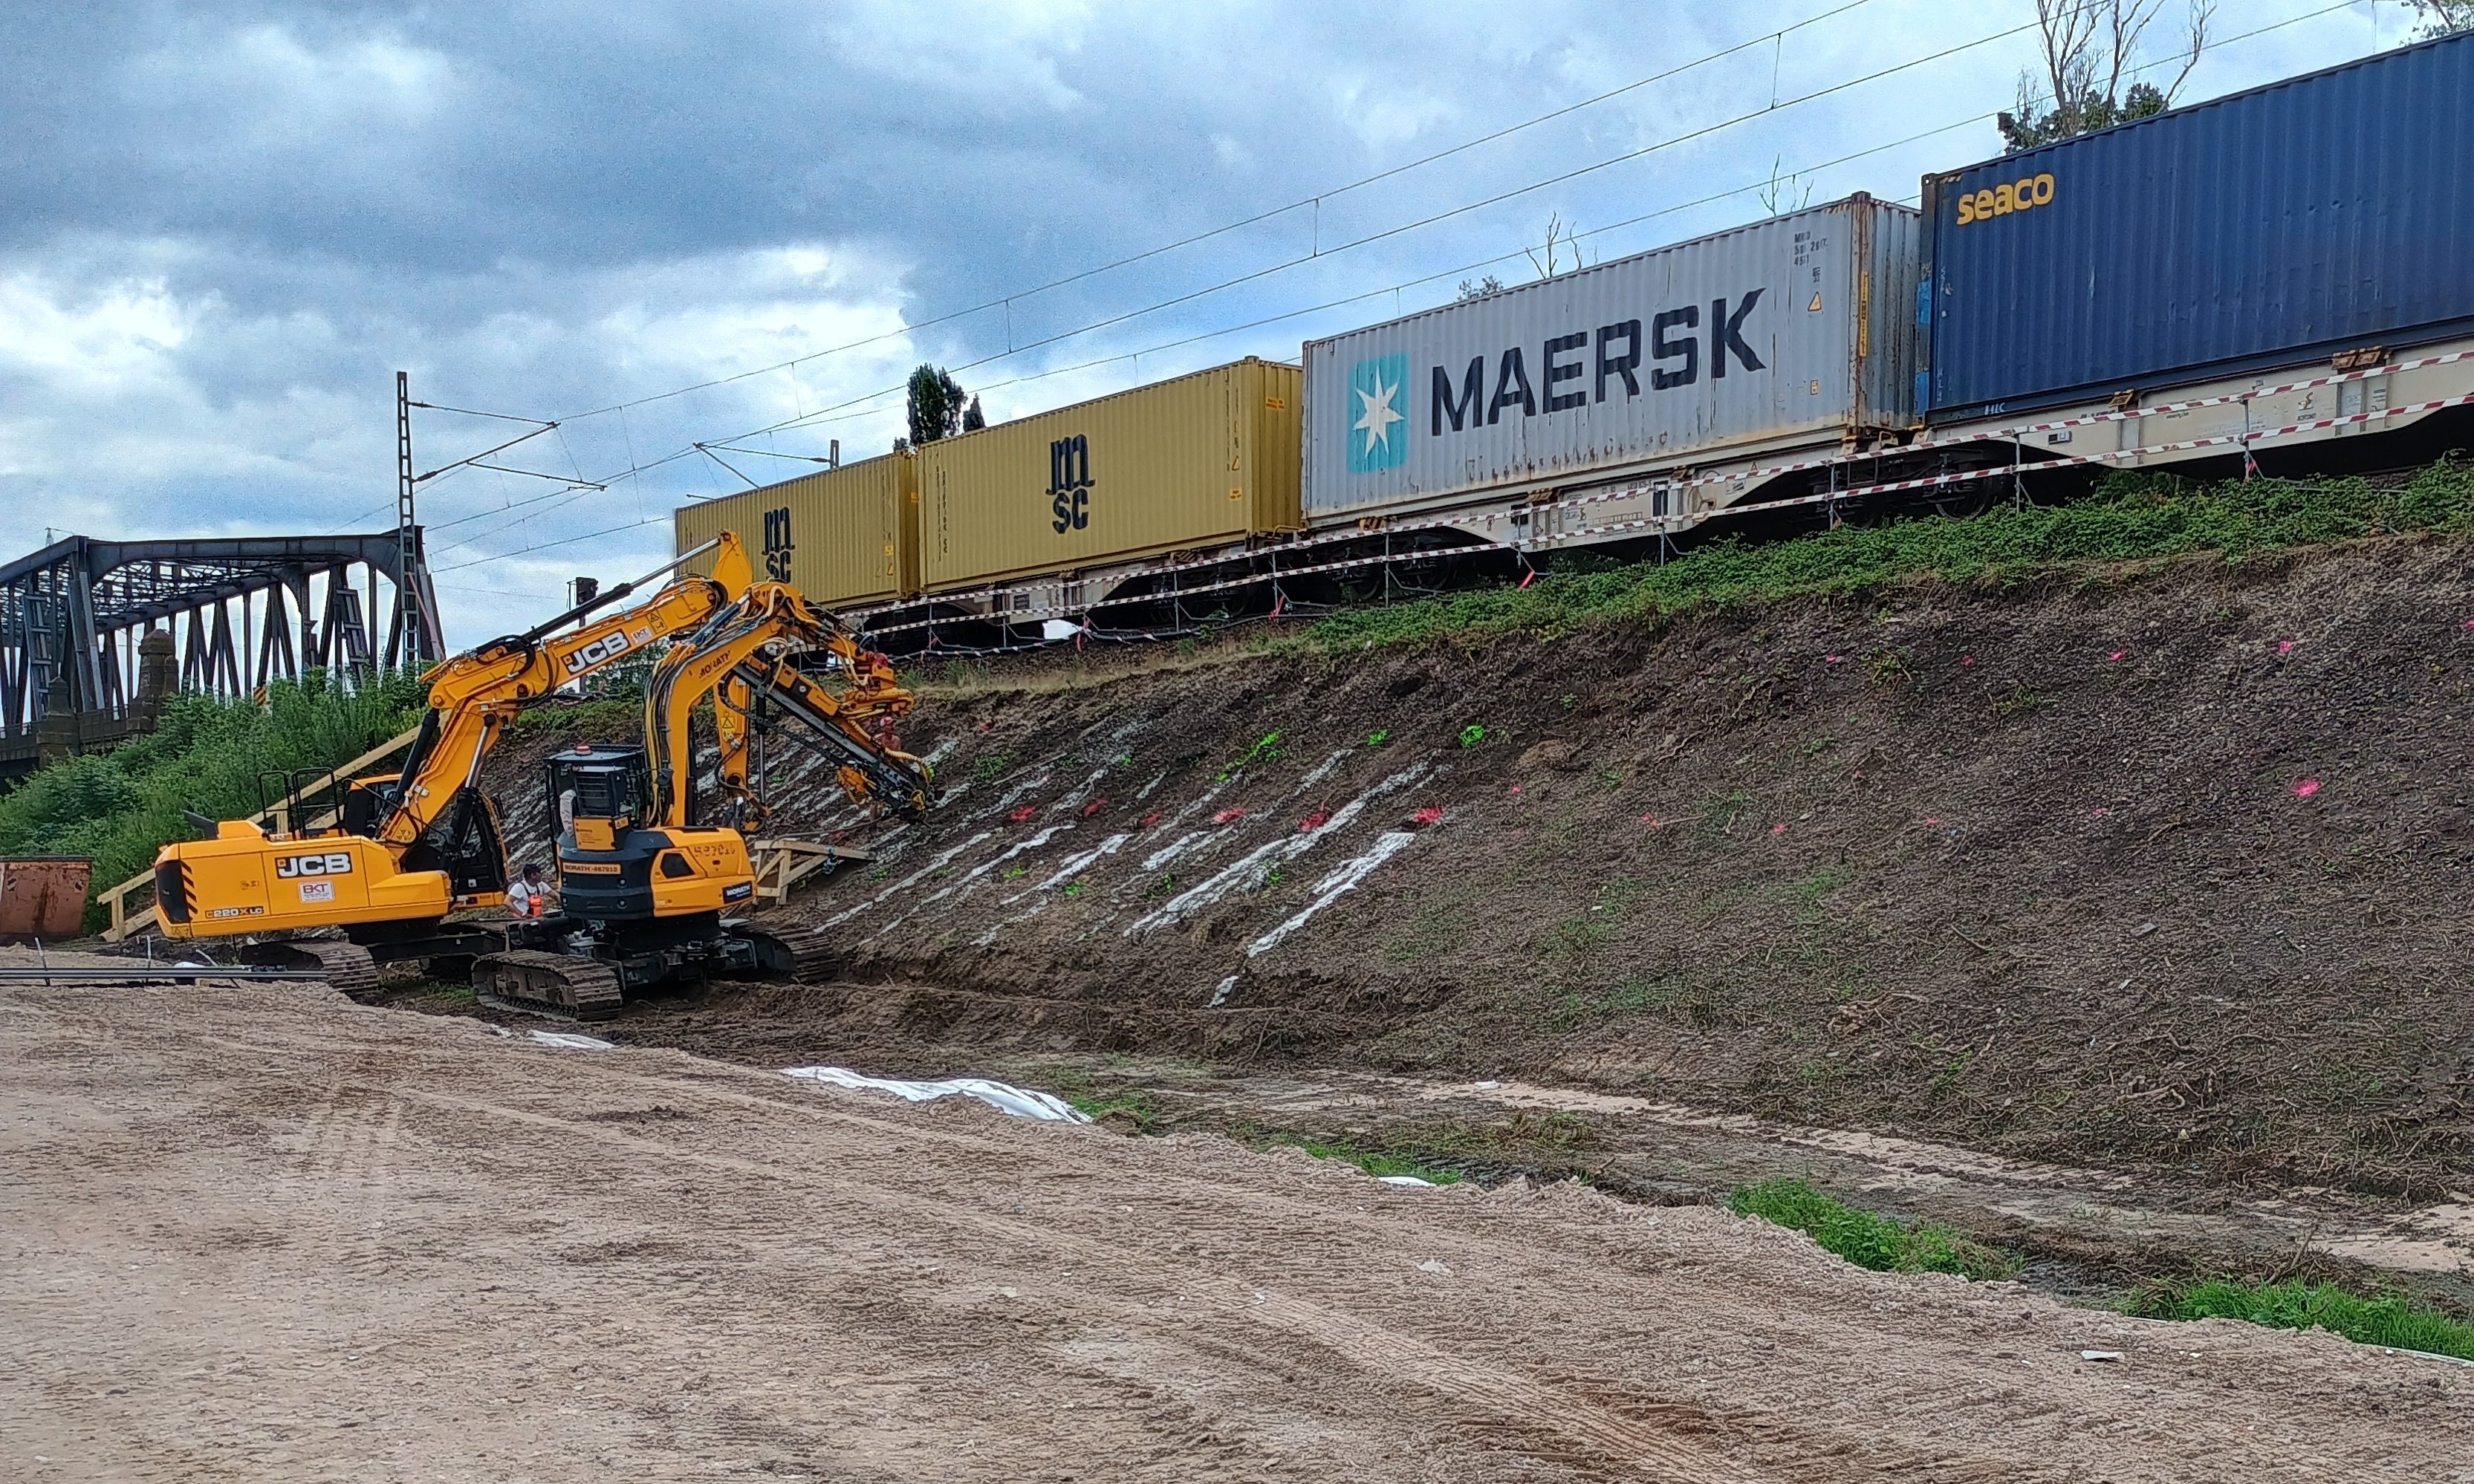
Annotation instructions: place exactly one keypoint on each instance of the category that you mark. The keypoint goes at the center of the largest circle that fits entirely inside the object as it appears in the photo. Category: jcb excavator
(404, 851)
(643, 880)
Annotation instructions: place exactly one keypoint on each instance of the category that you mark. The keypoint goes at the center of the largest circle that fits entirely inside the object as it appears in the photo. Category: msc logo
(1378, 428)
(2021, 195)
(1069, 484)
(607, 646)
(778, 546)
(332, 863)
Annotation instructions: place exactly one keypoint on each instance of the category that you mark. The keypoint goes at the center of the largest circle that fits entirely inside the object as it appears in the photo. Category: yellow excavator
(377, 881)
(644, 880)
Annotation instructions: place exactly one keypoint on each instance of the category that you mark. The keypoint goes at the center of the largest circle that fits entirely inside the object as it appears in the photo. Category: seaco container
(845, 537)
(2267, 229)
(1785, 332)
(1197, 461)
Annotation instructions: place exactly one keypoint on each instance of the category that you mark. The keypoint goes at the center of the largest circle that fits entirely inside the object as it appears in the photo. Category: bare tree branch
(2202, 13)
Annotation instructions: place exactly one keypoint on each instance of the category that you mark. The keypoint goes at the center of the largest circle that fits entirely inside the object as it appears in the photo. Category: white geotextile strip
(1020, 1102)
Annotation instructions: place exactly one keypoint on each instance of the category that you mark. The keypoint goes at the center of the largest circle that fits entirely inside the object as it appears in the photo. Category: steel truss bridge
(238, 612)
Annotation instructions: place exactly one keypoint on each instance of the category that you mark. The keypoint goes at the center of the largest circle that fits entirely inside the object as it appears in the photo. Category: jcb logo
(1069, 484)
(2022, 195)
(778, 544)
(607, 646)
(333, 863)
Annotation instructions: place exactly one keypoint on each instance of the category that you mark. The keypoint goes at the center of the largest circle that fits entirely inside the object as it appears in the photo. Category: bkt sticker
(317, 891)
(331, 863)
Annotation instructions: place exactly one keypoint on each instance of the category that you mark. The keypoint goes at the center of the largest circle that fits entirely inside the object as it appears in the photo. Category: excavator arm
(749, 657)
(474, 696)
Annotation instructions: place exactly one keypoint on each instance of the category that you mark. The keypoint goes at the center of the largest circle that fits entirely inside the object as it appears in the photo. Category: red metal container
(44, 896)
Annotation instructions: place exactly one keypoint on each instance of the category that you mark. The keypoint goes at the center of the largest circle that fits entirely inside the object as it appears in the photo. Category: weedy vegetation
(2392, 1320)
(2130, 516)
(1868, 1241)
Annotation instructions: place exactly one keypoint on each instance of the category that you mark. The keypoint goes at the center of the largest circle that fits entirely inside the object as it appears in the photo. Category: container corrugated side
(1796, 329)
(1198, 461)
(2269, 228)
(838, 535)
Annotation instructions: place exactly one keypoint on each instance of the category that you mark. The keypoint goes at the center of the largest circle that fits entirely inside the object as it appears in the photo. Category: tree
(1785, 193)
(2444, 17)
(1559, 235)
(2091, 48)
(935, 405)
(1490, 284)
(973, 419)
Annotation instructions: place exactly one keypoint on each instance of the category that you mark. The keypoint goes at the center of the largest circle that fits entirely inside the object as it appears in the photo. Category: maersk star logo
(1378, 423)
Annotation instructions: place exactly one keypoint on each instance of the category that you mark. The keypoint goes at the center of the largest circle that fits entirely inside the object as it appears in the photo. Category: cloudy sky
(743, 221)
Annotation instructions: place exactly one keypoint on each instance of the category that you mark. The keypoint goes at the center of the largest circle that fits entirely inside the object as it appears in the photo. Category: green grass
(2392, 1320)
(1866, 1239)
(1372, 1161)
(2128, 518)
(1132, 1102)
(120, 807)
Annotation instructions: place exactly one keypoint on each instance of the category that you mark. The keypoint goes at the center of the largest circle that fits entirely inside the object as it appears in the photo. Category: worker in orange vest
(529, 896)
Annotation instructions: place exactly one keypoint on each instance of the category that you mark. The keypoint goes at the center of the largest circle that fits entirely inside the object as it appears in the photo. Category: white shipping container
(1791, 332)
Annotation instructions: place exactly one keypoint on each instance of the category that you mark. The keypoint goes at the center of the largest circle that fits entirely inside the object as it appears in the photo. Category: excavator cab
(614, 867)
(599, 793)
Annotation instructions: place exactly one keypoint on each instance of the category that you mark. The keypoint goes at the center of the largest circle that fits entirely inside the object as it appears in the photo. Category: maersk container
(845, 537)
(2268, 228)
(1790, 332)
(1198, 461)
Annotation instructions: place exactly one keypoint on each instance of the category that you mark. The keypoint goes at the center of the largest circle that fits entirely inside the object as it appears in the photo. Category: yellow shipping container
(1195, 462)
(845, 537)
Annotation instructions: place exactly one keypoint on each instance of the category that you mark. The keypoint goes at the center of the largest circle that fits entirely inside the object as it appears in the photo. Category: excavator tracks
(801, 954)
(347, 966)
(526, 979)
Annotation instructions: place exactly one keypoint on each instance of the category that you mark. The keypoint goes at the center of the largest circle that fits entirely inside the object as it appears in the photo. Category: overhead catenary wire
(1007, 300)
(843, 408)
(1365, 240)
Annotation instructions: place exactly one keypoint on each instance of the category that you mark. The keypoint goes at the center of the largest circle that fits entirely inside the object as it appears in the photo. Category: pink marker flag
(2306, 788)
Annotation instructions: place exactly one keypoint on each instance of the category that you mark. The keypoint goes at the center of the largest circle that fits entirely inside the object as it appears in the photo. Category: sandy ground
(264, 1233)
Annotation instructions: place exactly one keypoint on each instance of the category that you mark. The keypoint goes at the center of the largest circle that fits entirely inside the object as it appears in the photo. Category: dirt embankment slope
(263, 1234)
(2169, 866)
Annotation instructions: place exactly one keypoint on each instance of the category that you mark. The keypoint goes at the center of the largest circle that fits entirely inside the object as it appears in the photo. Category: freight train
(2279, 279)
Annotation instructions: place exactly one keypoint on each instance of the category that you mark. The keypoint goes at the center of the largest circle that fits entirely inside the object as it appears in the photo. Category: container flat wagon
(1589, 404)
(2265, 275)
(1044, 516)
(848, 537)
(2276, 278)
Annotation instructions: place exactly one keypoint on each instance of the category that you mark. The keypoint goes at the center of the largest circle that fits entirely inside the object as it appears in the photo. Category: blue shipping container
(2268, 228)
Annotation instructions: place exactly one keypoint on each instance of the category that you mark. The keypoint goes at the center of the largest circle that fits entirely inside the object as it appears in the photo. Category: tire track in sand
(1646, 1437)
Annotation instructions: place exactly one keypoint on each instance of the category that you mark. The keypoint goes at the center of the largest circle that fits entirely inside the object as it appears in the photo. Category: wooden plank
(783, 864)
